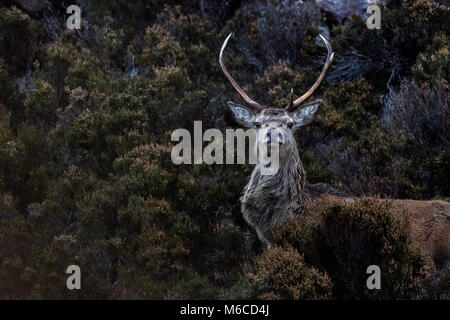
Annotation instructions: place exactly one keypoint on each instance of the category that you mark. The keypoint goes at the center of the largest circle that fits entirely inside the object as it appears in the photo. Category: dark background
(85, 171)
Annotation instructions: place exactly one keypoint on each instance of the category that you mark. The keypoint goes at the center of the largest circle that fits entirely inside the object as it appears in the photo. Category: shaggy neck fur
(270, 200)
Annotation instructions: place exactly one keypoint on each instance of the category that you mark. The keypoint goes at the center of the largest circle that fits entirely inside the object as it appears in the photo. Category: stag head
(276, 125)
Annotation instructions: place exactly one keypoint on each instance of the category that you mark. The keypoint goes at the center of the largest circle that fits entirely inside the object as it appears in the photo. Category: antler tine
(255, 105)
(299, 101)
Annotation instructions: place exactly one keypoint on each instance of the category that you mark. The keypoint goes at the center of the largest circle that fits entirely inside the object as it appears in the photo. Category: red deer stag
(269, 200)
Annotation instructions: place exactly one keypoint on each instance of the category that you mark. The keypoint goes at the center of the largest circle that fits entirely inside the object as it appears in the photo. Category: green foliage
(356, 104)
(352, 236)
(375, 237)
(160, 49)
(86, 175)
(407, 28)
(16, 38)
(419, 115)
(418, 118)
(7, 89)
(433, 63)
(41, 103)
(281, 273)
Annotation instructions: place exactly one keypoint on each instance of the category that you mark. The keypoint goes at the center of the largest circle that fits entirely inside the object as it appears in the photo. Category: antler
(295, 104)
(255, 105)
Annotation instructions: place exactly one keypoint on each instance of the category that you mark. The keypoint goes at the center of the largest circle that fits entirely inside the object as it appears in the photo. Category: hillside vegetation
(86, 176)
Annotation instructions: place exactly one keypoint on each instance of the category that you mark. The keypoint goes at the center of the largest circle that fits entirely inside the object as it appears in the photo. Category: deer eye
(257, 124)
(290, 125)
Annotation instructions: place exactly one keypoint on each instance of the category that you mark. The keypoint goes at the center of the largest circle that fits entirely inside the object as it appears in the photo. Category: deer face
(276, 125)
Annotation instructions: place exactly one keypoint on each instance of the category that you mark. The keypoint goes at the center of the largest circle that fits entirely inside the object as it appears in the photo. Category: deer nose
(276, 135)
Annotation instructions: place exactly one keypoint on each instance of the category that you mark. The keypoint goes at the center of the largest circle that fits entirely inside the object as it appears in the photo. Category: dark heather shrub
(281, 273)
(420, 115)
(41, 103)
(362, 234)
(282, 27)
(86, 175)
(348, 238)
(440, 286)
(7, 88)
(434, 62)
(16, 39)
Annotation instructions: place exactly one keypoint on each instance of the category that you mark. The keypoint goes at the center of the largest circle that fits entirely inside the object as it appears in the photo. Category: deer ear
(306, 113)
(242, 114)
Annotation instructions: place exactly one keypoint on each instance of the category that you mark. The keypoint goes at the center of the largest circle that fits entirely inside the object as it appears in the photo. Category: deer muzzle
(274, 136)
